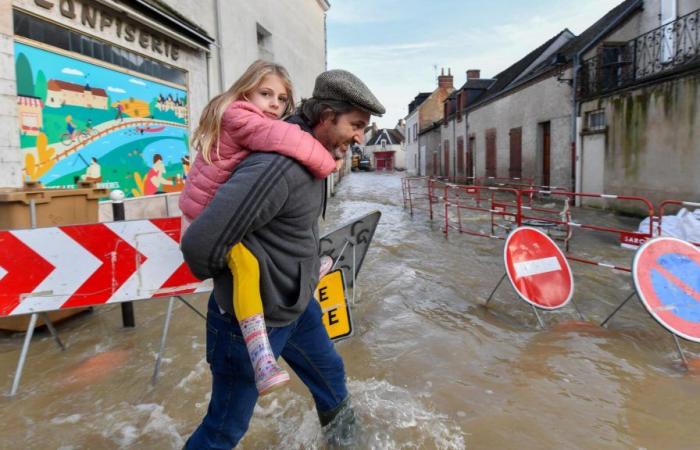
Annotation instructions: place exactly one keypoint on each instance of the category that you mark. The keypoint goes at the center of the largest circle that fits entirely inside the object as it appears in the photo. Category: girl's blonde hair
(209, 128)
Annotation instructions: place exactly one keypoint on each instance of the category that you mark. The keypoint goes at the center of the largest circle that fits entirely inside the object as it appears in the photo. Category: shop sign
(103, 21)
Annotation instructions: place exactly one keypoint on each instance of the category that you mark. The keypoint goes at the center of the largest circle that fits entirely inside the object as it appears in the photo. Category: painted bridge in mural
(63, 150)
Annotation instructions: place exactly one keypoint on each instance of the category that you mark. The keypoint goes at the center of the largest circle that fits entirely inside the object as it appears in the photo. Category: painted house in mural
(177, 105)
(62, 93)
(30, 114)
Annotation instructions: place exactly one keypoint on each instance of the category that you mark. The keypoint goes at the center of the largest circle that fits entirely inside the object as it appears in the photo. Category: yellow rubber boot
(247, 305)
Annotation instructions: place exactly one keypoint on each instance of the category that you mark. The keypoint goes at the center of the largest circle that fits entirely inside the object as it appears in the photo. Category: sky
(398, 47)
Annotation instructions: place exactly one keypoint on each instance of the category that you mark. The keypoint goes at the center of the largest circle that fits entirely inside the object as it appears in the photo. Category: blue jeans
(304, 345)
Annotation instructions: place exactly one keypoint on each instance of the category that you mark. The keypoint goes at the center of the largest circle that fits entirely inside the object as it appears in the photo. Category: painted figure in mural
(120, 113)
(264, 222)
(93, 173)
(89, 129)
(155, 178)
(245, 118)
(71, 129)
(185, 166)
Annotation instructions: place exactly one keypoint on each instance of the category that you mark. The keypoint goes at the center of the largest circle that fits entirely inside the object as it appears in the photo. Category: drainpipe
(219, 55)
(325, 41)
(466, 147)
(575, 149)
(454, 147)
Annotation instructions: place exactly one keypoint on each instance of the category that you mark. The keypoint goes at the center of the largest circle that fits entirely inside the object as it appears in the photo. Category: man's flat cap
(343, 86)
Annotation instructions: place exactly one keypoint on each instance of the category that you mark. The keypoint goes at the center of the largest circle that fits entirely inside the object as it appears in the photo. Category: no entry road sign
(666, 274)
(538, 269)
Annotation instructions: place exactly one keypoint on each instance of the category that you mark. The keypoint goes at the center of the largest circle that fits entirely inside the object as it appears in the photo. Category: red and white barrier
(47, 269)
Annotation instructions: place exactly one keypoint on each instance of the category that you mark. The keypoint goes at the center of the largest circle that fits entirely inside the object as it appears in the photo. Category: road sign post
(537, 270)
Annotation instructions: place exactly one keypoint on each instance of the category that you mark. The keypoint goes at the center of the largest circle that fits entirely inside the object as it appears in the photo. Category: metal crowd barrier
(482, 199)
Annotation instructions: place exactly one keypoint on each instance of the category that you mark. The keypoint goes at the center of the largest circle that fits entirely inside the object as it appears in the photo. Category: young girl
(241, 120)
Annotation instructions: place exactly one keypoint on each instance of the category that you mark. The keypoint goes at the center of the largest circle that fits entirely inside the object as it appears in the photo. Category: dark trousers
(304, 345)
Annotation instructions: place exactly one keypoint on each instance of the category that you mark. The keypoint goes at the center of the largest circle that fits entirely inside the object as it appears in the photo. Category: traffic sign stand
(666, 275)
(32, 322)
(675, 338)
(537, 270)
(619, 307)
(539, 319)
(166, 325)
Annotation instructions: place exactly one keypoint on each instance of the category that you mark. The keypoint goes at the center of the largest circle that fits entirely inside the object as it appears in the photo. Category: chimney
(473, 74)
(445, 81)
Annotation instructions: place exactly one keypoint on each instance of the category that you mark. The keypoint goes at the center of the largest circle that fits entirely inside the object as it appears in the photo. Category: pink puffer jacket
(244, 128)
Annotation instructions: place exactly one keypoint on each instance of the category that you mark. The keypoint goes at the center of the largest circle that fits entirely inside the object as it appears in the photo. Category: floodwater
(429, 366)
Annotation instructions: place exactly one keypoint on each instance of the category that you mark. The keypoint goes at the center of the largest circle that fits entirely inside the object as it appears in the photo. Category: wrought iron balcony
(669, 48)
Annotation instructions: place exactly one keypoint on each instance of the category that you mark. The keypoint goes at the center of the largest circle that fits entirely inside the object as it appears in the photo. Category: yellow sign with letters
(330, 293)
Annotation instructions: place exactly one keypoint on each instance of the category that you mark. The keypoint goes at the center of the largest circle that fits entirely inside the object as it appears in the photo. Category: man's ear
(327, 116)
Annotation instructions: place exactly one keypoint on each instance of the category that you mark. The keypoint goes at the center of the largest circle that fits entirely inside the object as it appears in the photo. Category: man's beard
(337, 153)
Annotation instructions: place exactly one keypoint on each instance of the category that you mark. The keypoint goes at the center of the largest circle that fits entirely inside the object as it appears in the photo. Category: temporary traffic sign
(47, 269)
(330, 293)
(666, 274)
(538, 269)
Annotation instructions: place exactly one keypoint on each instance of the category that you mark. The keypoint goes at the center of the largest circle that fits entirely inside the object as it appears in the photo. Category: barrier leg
(196, 311)
(354, 274)
(52, 330)
(494, 290)
(539, 319)
(580, 316)
(171, 302)
(23, 354)
(602, 324)
(680, 350)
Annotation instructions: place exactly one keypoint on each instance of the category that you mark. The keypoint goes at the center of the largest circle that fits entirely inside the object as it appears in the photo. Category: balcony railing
(668, 48)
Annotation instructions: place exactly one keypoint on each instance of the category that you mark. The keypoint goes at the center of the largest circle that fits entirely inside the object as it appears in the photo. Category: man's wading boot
(268, 374)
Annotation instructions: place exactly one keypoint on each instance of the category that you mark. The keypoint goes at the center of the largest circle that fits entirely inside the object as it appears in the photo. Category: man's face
(338, 133)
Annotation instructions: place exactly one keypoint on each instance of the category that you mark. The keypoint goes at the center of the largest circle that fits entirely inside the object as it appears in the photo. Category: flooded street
(429, 366)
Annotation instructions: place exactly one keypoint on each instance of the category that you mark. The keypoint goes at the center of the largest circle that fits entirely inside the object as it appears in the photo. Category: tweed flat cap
(343, 86)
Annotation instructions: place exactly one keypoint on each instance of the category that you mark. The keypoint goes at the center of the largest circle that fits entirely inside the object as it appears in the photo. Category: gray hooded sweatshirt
(271, 204)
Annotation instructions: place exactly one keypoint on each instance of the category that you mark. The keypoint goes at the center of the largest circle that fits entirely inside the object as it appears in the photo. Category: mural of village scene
(84, 122)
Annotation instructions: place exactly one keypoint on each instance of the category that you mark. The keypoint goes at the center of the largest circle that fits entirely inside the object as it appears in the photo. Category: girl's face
(270, 96)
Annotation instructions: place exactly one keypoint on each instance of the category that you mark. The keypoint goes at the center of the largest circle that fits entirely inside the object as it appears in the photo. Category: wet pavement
(428, 366)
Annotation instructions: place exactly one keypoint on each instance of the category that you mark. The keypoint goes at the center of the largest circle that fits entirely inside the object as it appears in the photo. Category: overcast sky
(397, 47)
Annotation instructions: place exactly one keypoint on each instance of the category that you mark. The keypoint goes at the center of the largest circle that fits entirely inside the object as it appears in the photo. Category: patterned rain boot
(268, 374)
(326, 265)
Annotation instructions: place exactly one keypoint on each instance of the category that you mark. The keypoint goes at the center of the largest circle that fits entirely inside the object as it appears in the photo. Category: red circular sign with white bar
(538, 269)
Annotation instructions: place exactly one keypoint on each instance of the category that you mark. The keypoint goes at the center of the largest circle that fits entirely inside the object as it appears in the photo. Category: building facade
(514, 126)
(638, 127)
(386, 148)
(426, 110)
(413, 164)
(137, 73)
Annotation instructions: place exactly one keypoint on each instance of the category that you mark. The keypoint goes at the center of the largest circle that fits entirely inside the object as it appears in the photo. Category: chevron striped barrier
(48, 269)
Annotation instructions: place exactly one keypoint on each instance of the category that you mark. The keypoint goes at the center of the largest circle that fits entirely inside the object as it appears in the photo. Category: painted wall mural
(80, 121)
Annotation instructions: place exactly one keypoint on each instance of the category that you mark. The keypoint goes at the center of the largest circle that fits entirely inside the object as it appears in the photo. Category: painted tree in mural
(37, 166)
(40, 87)
(25, 79)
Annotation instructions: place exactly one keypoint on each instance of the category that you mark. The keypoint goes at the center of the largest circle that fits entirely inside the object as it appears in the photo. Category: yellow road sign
(330, 293)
